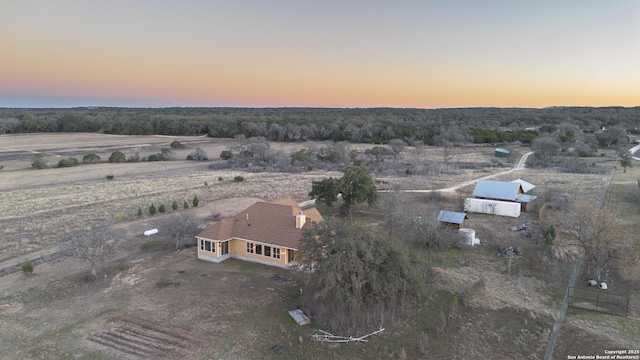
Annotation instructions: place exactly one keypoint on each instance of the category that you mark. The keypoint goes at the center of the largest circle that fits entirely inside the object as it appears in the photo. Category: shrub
(162, 208)
(90, 158)
(220, 178)
(226, 155)
(117, 157)
(40, 161)
(70, 162)
(28, 267)
(238, 178)
(153, 157)
(88, 278)
(185, 205)
(139, 213)
(134, 158)
(206, 184)
(1, 167)
(549, 235)
(109, 177)
(174, 205)
(152, 209)
(175, 144)
(198, 154)
(195, 201)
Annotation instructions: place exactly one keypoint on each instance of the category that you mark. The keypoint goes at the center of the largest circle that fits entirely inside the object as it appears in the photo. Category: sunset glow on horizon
(254, 53)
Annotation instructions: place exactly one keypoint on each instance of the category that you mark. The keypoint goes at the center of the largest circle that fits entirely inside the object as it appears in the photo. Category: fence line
(599, 301)
(572, 280)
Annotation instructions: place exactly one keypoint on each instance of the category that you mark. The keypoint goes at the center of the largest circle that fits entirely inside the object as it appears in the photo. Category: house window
(250, 248)
(291, 255)
(206, 245)
(259, 249)
(276, 253)
(224, 248)
(267, 251)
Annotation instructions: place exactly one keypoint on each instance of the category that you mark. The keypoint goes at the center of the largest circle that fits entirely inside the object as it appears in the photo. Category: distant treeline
(370, 125)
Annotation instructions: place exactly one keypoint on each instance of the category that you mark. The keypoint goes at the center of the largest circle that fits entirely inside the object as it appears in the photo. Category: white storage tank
(150, 232)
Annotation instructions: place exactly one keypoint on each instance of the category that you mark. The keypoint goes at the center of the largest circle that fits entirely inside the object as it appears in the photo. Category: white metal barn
(493, 207)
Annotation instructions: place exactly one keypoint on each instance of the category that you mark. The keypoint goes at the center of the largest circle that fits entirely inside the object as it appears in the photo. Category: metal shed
(501, 152)
(452, 219)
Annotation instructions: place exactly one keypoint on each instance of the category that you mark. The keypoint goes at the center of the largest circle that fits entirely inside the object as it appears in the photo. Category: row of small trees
(174, 205)
(41, 161)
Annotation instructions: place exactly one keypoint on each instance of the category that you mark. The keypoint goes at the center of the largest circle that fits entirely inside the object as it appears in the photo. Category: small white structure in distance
(150, 232)
(603, 286)
(592, 282)
(468, 237)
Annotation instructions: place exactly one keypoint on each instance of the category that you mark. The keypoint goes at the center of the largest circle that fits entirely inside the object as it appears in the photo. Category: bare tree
(395, 206)
(178, 227)
(40, 161)
(397, 146)
(599, 234)
(450, 137)
(95, 246)
(546, 148)
(198, 154)
(626, 160)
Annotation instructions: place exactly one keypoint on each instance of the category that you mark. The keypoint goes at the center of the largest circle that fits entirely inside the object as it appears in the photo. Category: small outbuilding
(501, 152)
(452, 220)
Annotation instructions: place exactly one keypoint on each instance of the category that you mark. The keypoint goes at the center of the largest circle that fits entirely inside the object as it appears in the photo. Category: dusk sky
(298, 53)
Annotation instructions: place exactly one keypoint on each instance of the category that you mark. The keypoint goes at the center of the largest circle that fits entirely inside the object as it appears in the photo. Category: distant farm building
(500, 152)
(505, 198)
(451, 219)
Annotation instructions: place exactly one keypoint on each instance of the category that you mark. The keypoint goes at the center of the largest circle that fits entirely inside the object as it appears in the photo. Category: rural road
(519, 166)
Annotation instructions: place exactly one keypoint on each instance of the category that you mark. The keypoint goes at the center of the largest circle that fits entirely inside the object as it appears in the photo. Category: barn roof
(452, 217)
(526, 186)
(525, 198)
(500, 190)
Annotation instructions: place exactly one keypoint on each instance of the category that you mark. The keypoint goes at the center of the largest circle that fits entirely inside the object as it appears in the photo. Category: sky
(300, 53)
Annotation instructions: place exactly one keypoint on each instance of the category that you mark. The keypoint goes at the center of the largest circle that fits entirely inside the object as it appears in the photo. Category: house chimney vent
(301, 219)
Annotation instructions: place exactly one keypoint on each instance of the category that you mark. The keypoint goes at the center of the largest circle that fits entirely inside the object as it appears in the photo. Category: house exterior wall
(238, 249)
(502, 208)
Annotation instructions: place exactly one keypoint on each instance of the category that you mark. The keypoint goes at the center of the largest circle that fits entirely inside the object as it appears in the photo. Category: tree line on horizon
(370, 125)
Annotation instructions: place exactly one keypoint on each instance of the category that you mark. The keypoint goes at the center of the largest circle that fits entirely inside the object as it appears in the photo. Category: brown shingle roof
(289, 202)
(270, 223)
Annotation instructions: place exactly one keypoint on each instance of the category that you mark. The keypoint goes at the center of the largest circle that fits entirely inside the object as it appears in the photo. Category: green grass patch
(151, 245)
(325, 211)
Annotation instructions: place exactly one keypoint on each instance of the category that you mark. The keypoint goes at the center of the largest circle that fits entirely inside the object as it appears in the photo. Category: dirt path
(519, 166)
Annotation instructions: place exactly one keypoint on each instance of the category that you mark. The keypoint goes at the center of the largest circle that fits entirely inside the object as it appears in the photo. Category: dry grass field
(161, 303)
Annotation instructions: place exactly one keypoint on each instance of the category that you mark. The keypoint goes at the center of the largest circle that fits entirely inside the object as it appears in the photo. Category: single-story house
(266, 233)
(452, 219)
(510, 191)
